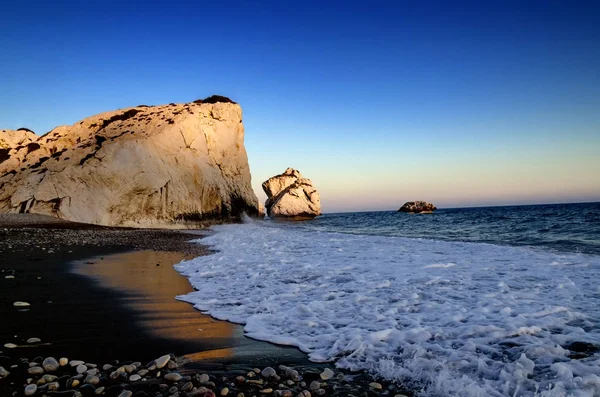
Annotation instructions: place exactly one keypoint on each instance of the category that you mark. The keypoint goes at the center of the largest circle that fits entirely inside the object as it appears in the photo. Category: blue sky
(458, 103)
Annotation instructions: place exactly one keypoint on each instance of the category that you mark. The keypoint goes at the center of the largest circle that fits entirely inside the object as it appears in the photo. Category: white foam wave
(447, 318)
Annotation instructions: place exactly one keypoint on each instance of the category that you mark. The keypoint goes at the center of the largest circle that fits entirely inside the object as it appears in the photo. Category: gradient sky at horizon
(457, 103)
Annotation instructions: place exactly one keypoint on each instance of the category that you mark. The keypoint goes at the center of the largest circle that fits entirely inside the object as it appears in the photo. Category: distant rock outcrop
(158, 166)
(417, 207)
(291, 196)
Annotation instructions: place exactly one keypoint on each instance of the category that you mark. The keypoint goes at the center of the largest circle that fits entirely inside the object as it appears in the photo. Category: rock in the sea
(417, 207)
(158, 166)
(291, 196)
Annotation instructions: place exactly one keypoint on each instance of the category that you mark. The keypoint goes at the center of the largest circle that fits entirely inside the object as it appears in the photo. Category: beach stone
(266, 391)
(92, 380)
(100, 390)
(134, 378)
(400, 395)
(172, 365)
(21, 304)
(125, 393)
(49, 378)
(162, 361)
(327, 374)
(34, 340)
(107, 367)
(250, 374)
(50, 364)
(315, 385)
(319, 392)
(203, 378)
(3, 373)
(87, 389)
(10, 345)
(172, 377)
(75, 363)
(9, 277)
(30, 390)
(90, 365)
(129, 368)
(375, 386)
(81, 368)
(63, 361)
(224, 391)
(304, 393)
(93, 371)
(53, 386)
(35, 371)
(136, 364)
(73, 383)
(240, 395)
(187, 386)
(143, 372)
(268, 372)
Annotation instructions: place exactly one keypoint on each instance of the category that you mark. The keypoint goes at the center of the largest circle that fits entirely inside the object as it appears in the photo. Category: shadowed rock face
(291, 196)
(417, 207)
(160, 166)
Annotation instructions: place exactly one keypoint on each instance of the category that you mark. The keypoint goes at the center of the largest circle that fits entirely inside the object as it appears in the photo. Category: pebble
(49, 378)
(129, 368)
(143, 372)
(240, 395)
(268, 372)
(81, 368)
(134, 378)
(9, 277)
(320, 392)
(304, 393)
(74, 383)
(162, 361)
(173, 377)
(257, 371)
(34, 340)
(3, 372)
(92, 380)
(187, 386)
(327, 374)
(100, 390)
(21, 304)
(63, 361)
(400, 395)
(172, 365)
(375, 385)
(53, 386)
(315, 385)
(224, 391)
(75, 363)
(106, 367)
(50, 364)
(203, 378)
(30, 390)
(266, 391)
(126, 393)
(10, 345)
(35, 371)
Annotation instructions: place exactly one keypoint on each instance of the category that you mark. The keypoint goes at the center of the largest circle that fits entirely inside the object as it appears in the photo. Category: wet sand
(97, 293)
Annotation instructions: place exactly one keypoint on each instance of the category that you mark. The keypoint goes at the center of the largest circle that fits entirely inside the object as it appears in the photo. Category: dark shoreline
(80, 317)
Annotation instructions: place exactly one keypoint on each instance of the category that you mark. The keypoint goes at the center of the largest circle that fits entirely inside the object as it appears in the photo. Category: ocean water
(469, 302)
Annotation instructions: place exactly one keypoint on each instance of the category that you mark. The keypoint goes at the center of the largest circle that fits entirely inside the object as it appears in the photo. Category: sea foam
(445, 318)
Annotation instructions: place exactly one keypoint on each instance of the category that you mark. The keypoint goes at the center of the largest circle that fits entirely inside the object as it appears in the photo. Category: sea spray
(448, 318)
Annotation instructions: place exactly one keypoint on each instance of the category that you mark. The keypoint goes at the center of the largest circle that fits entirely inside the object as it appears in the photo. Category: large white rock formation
(291, 196)
(160, 166)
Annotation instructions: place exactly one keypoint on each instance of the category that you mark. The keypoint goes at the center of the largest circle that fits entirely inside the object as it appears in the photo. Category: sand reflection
(151, 284)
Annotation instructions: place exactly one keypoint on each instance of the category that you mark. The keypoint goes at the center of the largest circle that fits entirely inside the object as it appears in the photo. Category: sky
(458, 103)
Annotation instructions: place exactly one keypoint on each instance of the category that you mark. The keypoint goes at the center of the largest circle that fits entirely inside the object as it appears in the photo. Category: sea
(497, 301)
